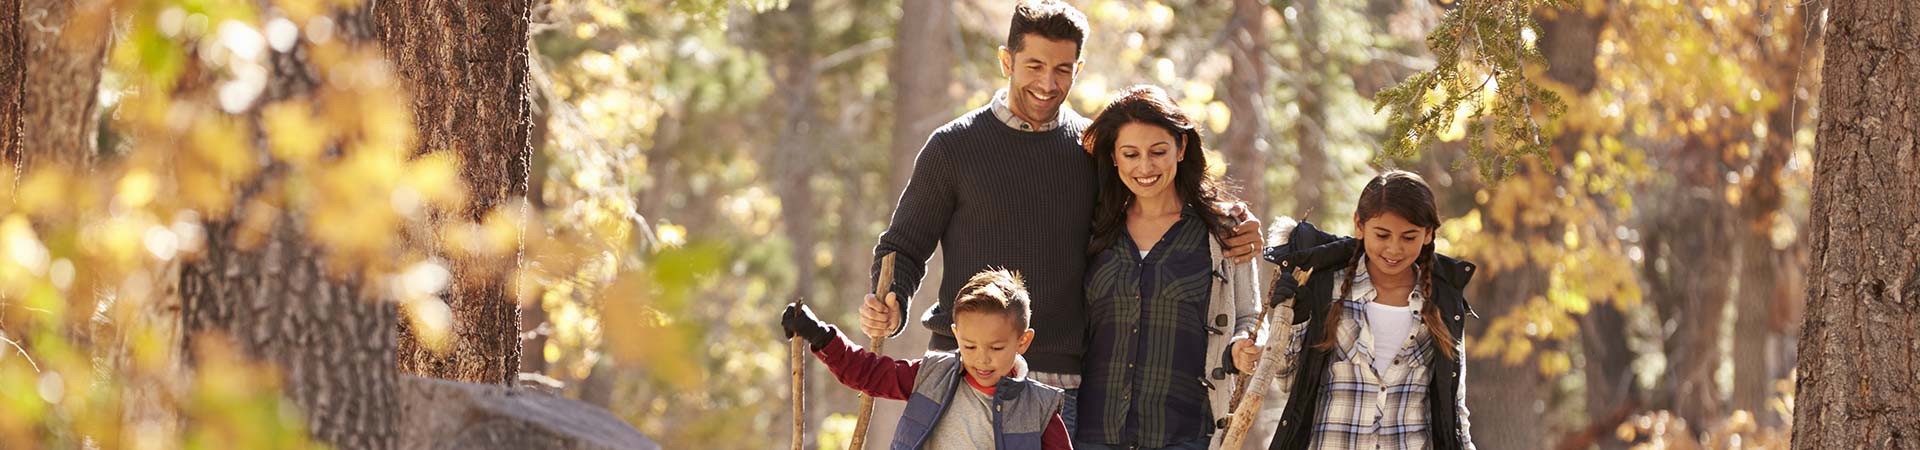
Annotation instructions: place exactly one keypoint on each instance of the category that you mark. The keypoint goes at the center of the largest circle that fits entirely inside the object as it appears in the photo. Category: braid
(1426, 271)
(1332, 328)
(1436, 325)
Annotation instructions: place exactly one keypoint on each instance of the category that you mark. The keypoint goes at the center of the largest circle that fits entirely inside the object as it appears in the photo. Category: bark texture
(1859, 383)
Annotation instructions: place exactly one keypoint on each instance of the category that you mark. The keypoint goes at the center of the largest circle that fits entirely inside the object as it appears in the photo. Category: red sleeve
(864, 371)
(1056, 436)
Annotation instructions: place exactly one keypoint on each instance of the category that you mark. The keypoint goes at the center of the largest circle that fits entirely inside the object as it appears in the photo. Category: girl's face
(1148, 157)
(1393, 244)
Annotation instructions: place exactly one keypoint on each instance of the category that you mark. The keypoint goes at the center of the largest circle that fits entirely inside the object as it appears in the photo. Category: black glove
(1284, 288)
(798, 320)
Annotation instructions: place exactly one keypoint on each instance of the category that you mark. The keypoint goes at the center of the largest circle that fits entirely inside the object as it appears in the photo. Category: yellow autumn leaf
(436, 178)
(45, 190)
(301, 10)
(292, 133)
(137, 188)
(649, 337)
(222, 144)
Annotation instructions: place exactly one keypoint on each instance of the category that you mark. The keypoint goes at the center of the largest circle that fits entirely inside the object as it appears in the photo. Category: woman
(1164, 307)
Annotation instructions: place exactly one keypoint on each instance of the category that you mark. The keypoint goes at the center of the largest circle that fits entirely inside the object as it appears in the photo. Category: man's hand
(1245, 243)
(879, 319)
(1245, 355)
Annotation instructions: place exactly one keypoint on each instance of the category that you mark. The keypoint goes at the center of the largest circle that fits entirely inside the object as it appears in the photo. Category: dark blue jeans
(1199, 443)
(1070, 413)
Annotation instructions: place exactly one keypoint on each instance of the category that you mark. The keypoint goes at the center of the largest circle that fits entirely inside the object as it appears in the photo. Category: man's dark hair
(1051, 19)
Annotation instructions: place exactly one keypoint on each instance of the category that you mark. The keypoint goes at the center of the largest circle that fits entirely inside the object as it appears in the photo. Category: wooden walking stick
(881, 287)
(1245, 379)
(797, 349)
(1255, 393)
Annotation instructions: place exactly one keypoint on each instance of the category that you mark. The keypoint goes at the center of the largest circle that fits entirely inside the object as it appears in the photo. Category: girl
(1164, 306)
(1375, 359)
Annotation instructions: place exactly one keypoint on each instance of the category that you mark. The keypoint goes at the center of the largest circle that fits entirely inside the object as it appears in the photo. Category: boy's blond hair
(996, 291)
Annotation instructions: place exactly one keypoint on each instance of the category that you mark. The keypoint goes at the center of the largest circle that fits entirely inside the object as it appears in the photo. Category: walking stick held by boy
(881, 287)
(797, 347)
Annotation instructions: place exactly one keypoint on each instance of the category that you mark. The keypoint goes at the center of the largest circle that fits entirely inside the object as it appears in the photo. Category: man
(1008, 185)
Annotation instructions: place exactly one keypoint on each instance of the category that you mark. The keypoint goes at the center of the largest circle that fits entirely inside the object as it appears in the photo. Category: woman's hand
(1246, 355)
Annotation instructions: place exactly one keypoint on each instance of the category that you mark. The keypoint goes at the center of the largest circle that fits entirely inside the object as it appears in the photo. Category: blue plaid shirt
(1147, 318)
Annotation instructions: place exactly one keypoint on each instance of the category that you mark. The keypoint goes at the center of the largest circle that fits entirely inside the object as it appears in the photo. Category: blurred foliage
(658, 245)
(1479, 50)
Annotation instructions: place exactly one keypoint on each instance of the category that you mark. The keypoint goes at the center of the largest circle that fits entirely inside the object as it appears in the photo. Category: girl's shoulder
(1452, 271)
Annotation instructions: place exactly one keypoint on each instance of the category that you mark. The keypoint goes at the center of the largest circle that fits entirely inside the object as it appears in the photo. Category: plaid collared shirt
(1364, 409)
(1005, 113)
(1147, 350)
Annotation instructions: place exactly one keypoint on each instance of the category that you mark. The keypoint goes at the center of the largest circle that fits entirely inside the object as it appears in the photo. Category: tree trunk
(1315, 170)
(533, 312)
(794, 154)
(273, 298)
(333, 345)
(465, 64)
(1609, 370)
(62, 73)
(923, 61)
(922, 73)
(1508, 402)
(1695, 303)
(1245, 146)
(12, 83)
(1859, 385)
(1769, 276)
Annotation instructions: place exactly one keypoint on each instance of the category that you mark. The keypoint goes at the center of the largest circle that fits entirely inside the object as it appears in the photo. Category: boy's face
(989, 344)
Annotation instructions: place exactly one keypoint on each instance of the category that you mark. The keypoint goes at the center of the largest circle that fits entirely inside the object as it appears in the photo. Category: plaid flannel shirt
(1146, 361)
(1360, 408)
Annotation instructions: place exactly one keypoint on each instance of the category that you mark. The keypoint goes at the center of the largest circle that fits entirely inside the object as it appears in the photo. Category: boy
(998, 407)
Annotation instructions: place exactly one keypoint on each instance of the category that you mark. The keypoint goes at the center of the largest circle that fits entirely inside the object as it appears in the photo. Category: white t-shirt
(1390, 325)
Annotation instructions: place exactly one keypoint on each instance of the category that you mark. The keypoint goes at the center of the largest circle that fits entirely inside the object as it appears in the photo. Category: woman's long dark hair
(1404, 194)
(1150, 105)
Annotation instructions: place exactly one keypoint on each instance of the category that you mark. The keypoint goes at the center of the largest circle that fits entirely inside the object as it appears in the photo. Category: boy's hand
(1245, 243)
(798, 320)
(1246, 355)
(880, 318)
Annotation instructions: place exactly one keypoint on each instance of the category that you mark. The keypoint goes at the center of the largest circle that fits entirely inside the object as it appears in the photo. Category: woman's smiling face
(1147, 158)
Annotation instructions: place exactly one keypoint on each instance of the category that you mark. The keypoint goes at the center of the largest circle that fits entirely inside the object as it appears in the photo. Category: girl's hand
(1246, 355)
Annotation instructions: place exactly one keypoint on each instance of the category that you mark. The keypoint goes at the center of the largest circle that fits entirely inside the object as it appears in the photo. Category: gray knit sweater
(990, 195)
